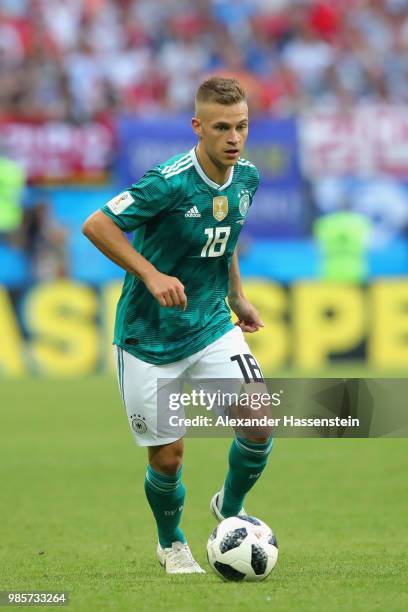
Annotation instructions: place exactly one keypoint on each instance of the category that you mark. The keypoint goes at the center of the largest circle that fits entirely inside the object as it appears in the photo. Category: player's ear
(196, 125)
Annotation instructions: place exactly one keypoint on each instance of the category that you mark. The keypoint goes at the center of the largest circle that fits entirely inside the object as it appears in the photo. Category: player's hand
(167, 290)
(248, 316)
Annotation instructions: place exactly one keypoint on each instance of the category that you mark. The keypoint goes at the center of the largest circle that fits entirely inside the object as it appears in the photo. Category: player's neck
(218, 174)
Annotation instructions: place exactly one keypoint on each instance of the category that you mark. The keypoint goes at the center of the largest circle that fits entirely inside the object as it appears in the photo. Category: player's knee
(258, 440)
(265, 434)
(262, 435)
(167, 465)
(168, 460)
(257, 434)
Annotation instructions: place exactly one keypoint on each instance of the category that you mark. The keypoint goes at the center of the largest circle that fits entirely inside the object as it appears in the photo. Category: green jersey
(187, 226)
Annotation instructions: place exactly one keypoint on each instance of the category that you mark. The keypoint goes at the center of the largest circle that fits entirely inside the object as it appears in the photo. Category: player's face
(222, 131)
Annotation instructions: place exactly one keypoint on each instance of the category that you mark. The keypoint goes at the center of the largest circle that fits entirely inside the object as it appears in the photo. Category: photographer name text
(286, 421)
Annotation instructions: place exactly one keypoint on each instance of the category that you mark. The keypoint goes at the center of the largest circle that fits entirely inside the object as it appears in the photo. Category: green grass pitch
(73, 515)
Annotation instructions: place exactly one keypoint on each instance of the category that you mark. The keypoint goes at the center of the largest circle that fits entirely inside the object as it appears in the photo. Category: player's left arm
(248, 316)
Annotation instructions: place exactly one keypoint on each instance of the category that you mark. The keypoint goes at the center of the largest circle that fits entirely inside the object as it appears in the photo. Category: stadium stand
(79, 59)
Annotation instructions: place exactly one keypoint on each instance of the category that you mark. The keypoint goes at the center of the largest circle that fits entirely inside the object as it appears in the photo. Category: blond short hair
(221, 91)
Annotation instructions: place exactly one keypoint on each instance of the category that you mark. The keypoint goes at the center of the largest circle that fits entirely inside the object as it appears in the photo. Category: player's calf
(247, 461)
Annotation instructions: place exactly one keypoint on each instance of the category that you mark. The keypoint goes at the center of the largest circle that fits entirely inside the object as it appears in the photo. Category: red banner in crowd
(60, 152)
(364, 140)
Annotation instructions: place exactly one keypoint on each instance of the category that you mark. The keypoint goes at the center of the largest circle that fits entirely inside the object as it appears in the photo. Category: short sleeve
(142, 202)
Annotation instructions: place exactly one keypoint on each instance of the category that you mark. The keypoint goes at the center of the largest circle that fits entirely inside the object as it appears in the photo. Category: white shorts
(140, 383)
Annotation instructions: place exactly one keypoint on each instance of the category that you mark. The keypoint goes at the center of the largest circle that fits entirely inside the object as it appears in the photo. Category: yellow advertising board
(65, 328)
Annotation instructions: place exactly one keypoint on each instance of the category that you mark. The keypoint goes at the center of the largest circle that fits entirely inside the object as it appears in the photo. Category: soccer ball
(242, 548)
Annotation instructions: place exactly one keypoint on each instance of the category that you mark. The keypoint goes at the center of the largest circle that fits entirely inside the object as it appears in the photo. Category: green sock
(165, 495)
(247, 461)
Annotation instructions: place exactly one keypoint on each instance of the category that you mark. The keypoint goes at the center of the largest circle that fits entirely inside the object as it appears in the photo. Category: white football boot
(216, 504)
(178, 559)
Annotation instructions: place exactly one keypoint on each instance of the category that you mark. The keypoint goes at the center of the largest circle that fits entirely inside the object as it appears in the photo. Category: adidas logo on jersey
(193, 212)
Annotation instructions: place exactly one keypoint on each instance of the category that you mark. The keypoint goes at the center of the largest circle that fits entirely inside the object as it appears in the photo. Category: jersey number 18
(216, 242)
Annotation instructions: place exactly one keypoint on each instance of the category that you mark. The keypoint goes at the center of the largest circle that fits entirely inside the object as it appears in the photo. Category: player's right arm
(112, 242)
(108, 236)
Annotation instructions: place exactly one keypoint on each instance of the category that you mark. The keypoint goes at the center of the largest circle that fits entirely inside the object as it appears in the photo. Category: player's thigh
(228, 369)
(145, 388)
(228, 357)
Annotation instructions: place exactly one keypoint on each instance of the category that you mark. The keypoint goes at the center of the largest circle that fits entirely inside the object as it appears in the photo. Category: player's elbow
(91, 227)
(87, 228)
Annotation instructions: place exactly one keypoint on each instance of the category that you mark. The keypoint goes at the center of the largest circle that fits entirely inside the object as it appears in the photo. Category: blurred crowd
(80, 59)
(29, 230)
